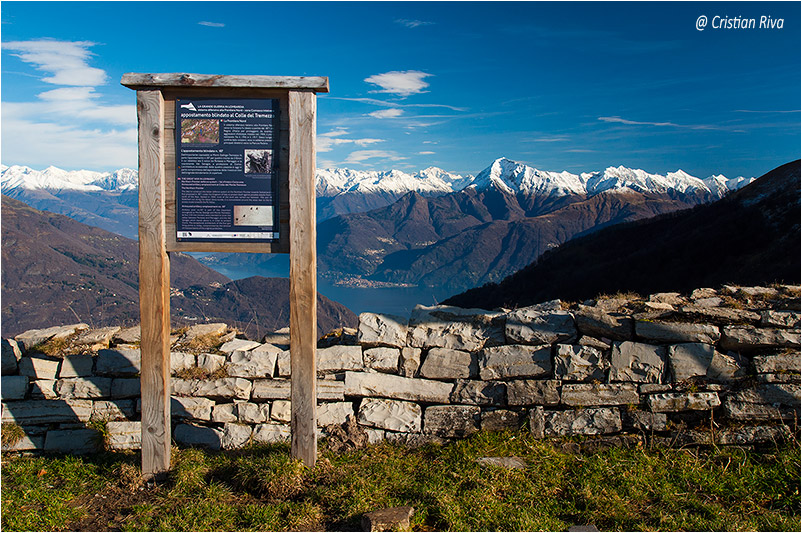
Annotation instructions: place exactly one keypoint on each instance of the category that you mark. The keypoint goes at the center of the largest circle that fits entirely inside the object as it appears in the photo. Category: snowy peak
(433, 180)
(513, 178)
(53, 178)
(503, 174)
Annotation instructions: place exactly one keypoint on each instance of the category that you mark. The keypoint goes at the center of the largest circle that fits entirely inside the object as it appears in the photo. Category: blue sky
(559, 86)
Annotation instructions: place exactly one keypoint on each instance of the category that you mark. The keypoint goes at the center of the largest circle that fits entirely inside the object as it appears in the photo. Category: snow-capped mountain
(52, 178)
(513, 177)
(432, 180)
(504, 174)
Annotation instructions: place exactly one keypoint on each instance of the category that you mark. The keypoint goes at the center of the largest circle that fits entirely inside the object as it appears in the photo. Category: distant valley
(57, 270)
(432, 229)
(750, 237)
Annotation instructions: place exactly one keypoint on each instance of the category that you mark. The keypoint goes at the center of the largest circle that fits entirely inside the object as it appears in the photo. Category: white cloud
(66, 61)
(426, 153)
(402, 83)
(413, 23)
(69, 126)
(392, 112)
(39, 144)
(620, 120)
(361, 155)
(212, 24)
(325, 142)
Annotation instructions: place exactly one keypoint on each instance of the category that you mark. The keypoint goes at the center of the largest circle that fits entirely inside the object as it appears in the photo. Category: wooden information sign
(226, 164)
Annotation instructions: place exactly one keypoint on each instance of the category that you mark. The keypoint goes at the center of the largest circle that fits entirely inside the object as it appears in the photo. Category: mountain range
(432, 228)
(57, 270)
(750, 237)
(109, 199)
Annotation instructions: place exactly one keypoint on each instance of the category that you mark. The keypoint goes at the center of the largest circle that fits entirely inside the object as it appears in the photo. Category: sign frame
(156, 94)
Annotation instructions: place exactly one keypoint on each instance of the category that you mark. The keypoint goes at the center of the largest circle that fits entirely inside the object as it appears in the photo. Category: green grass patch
(263, 488)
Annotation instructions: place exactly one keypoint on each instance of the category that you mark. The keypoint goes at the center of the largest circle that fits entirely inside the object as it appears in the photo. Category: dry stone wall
(712, 367)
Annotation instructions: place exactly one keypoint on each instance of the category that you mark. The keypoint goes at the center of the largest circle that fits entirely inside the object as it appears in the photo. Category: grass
(262, 488)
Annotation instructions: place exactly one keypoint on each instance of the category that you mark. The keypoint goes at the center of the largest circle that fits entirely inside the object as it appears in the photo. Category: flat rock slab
(390, 519)
(39, 367)
(592, 394)
(392, 415)
(382, 359)
(33, 337)
(534, 326)
(444, 363)
(575, 362)
(515, 361)
(510, 463)
(635, 361)
(35, 412)
(451, 420)
(75, 366)
(500, 420)
(596, 421)
(382, 330)
(124, 435)
(787, 362)
(676, 332)
(597, 323)
(130, 335)
(238, 344)
(751, 338)
(196, 408)
(339, 358)
(91, 387)
(334, 413)
(14, 387)
(258, 363)
(453, 327)
(77, 441)
(396, 387)
(201, 436)
(533, 392)
(198, 330)
(97, 338)
(271, 433)
(683, 401)
(11, 355)
(476, 392)
(218, 389)
(118, 362)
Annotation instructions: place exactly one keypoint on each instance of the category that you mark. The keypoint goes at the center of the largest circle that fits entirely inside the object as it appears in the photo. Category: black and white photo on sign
(258, 161)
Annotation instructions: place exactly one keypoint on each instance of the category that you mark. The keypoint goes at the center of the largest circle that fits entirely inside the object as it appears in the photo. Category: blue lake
(394, 300)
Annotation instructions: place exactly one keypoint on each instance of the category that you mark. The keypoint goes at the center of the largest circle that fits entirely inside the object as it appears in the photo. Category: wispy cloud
(327, 141)
(384, 103)
(758, 111)
(212, 24)
(65, 61)
(620, 120)
(413, 23)
(392, 112)
(72, 126)
(403, 83)
(551, 139)
(426, 153)
(360, 156)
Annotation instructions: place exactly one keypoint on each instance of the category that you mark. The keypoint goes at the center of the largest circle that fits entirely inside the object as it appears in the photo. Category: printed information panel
(226, 169)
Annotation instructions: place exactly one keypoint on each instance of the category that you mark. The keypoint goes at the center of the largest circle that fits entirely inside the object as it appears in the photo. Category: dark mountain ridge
(472, 236)
(57, 271)
(750, 237)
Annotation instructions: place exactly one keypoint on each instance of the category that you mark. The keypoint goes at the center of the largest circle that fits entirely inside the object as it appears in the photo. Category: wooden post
(154, 287)
(156, 94)
(303, 276)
